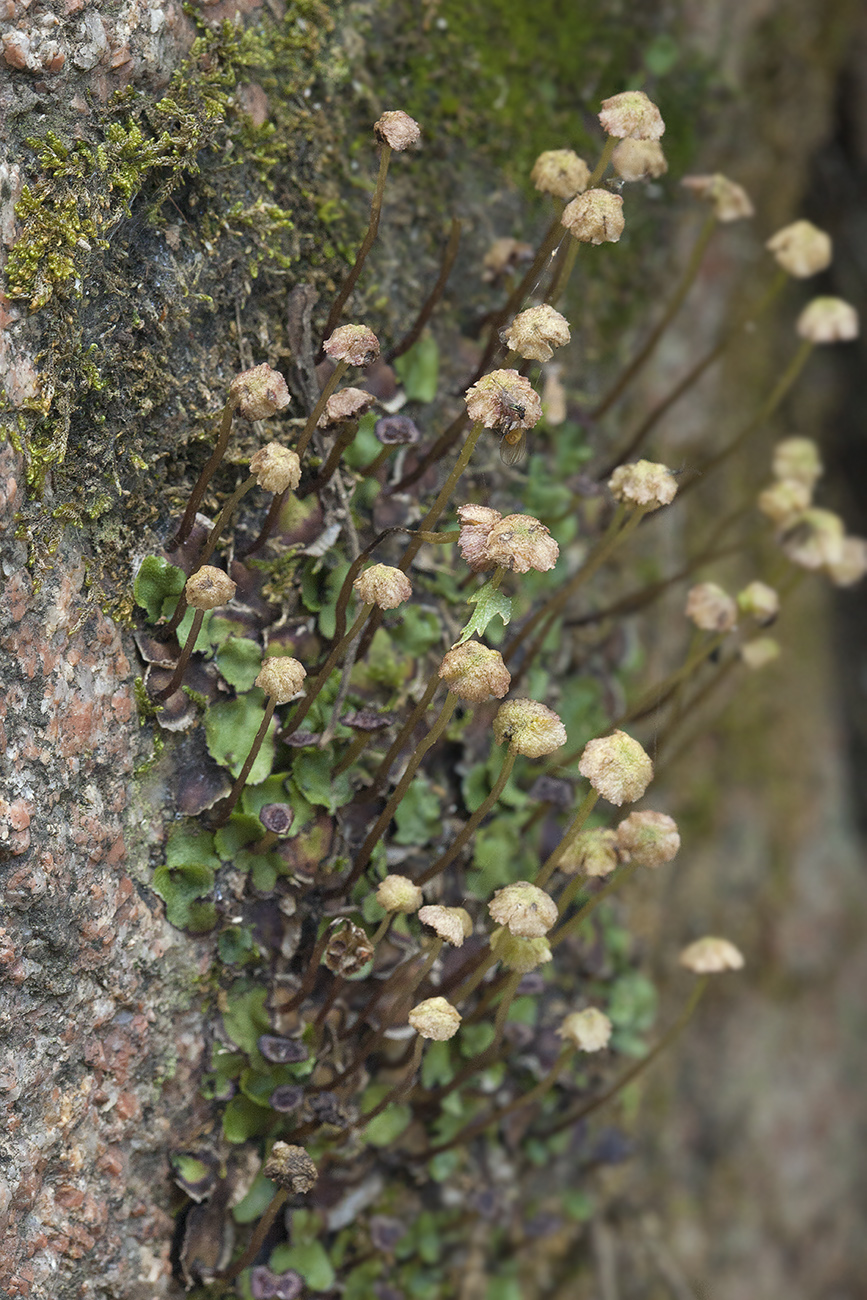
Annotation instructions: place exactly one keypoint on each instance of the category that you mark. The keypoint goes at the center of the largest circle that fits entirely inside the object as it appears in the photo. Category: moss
(196, 202)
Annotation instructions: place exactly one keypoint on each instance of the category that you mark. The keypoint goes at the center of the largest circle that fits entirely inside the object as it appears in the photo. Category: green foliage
(185, 877)
(489, 602)
(256, 1202)
(230, 729)
(245, 1017)
(418, 815)
(239, 660)
(243, 1119)
(156, 582)
(307, 1258)
(418, 369)
(311, 775)
(632, 1008)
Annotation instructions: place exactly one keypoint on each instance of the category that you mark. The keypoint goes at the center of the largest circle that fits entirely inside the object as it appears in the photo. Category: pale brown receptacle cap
(399, 894)
(595, 217)
(529, 727)
(259, 393)
(648, 838)
(759, 601)
(711, 608)
(504, 255)
(291, 1168)
(639, 160)
(797, 459)
(398, 130)
(346, 404)
(476, 523)
(435, 1018)
(277, 468)
(527, 910)
(474, 672)
(383, 585)
(617, 767)
(536, 332)
(784, 499)
(519, 954)
(814, 539)
(643, 483)
(709, 956)
(828, 320)
(729, 200)
(760, 652)
(560, 172)
(348, 948)
(355, 344)
(504, 400)
(801, 249)
(631, 114)
(589, 1030)
(590, 853)
(208, 588)
(852, 565)
(282, 678)
(454, 924)
(522, 543)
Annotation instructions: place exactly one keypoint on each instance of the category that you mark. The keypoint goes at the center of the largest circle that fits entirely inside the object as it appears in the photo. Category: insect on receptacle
(513, 446)
(513, 442)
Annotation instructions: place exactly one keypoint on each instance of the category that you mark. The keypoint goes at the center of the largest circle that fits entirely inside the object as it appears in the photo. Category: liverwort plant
(418, 875)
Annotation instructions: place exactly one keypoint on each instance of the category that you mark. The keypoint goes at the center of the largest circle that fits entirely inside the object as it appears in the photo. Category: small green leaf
(155, 580)
(239, 660)
(419, 630)
(311, 773)
(418, 815)
(442, 1167)
(243, 1119)
(632, 1003)
(383, 1130)
(436, 1065)
(245, 1017)
(256, 1202)
(241, 829)
(180, 887)
(309, 1259)
(189, 1168)
(489, 602)
(474, 1039)
(236, 945)
(189, 847)
(418, 369)
(230, 729)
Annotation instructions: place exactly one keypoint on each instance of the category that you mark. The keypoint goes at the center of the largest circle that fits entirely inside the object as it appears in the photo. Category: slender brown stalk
(366, 851)
(189, 517)
(618, 878)
(650, 421)
(237, 788)
(588, 1107)
(444, 443)
(181, 666)
(344, 438)
(549, 866)
(366, 244)
(257, 1241)
(473, 822)
(476, 1126)
(616, 532)
(303, 707)
(448, 260)
(675, 303)
(381, 774)
(767, 408)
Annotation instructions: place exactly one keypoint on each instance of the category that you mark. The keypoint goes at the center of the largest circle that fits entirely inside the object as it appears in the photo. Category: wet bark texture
(748, 1136)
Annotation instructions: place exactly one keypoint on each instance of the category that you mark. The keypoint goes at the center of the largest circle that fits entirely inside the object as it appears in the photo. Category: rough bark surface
(754, 1177)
